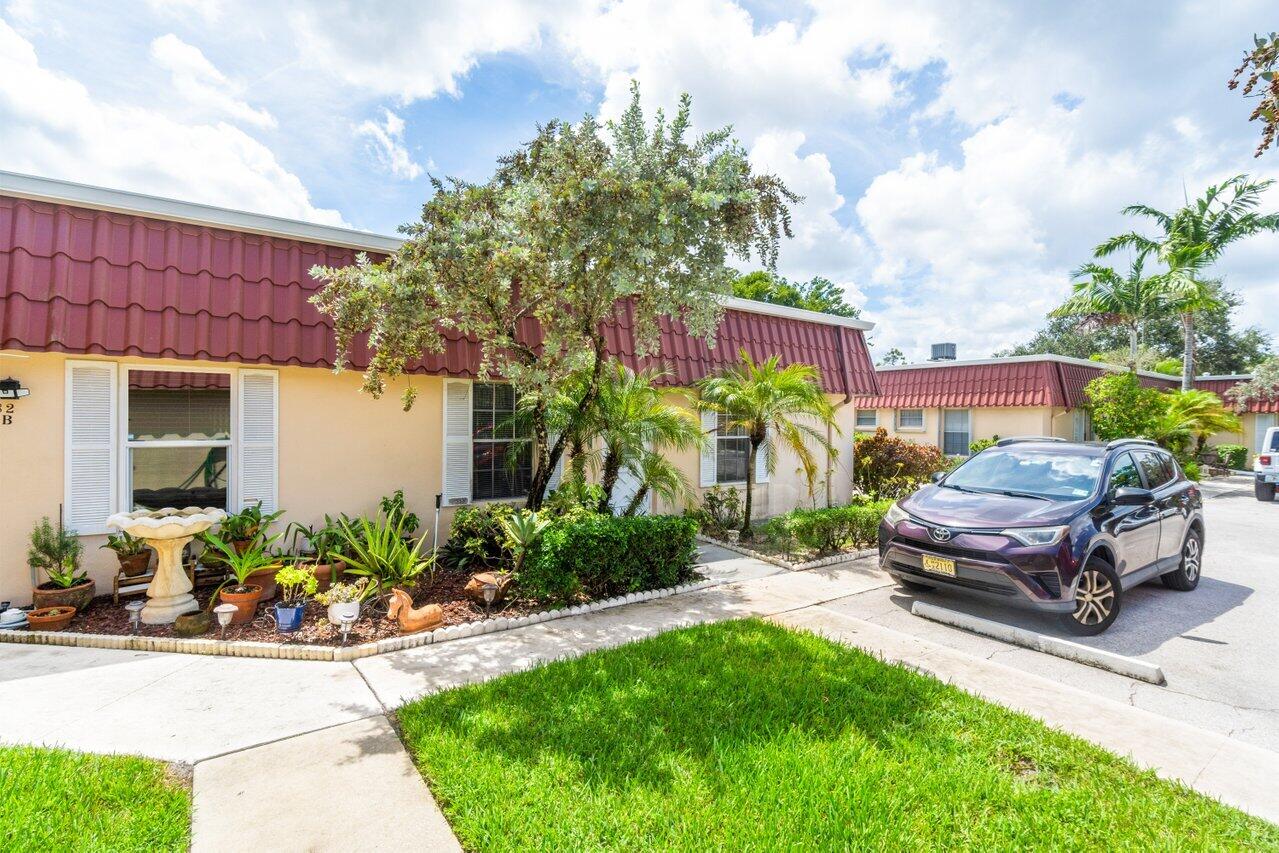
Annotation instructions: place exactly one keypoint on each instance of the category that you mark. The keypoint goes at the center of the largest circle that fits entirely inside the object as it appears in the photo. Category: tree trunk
(750, 486)
(1132, 348)
(608, 479)
(550, 458)
(634, 505)
(1188, 353)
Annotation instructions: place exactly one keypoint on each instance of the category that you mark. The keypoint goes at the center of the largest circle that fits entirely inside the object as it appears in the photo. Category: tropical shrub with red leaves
(885, 467)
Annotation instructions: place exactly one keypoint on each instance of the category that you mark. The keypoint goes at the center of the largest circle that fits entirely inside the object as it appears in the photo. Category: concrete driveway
(1218, 645)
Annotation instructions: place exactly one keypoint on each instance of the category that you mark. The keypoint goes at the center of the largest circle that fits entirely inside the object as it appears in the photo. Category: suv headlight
(1037, 535)
(895, 515)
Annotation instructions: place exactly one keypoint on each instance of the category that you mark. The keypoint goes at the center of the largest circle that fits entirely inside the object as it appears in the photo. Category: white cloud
(54, 127)
(386, 143)
(201, 85)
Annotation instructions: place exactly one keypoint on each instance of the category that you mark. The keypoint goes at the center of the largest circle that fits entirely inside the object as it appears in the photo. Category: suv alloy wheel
(1098, 598)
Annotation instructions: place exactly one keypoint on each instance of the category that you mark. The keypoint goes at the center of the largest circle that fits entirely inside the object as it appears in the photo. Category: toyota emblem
(939, 534)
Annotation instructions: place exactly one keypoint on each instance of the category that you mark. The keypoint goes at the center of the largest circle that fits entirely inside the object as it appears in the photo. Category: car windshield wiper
(1012, 493)
(961, 488)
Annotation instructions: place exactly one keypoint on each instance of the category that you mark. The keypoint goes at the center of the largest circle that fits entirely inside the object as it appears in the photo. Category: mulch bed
(103, 617)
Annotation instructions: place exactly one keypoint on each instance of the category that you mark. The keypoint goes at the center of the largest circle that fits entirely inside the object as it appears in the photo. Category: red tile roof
(1219, 385)
(995, 383)
(81, 280)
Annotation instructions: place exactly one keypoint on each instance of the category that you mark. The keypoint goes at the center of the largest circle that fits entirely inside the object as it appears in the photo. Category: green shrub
(1121, 407)
(601, 556)
(981, 444)
(1232, 455)
(831, 530)
(886, 467)
(720, 510)
(477, 539)
(1191, 467)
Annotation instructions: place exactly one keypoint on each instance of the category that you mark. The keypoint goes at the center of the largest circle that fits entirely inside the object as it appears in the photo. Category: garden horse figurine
(413, 619)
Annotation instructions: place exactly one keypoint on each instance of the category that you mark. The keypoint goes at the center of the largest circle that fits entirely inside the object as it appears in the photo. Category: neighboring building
(1257, 416)
(954, 403)
(172, 357)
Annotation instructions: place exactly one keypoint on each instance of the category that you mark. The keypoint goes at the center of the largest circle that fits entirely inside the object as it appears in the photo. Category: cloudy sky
(957, 159)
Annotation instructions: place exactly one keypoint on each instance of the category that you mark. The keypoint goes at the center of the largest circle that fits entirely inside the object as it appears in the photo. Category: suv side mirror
(1132, 496)
(937, 476)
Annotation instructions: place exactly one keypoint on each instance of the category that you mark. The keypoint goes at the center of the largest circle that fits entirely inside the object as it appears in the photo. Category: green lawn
(54, 799)
(744, 735)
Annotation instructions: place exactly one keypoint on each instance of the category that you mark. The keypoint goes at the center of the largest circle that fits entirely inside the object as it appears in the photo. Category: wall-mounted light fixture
(11, 389)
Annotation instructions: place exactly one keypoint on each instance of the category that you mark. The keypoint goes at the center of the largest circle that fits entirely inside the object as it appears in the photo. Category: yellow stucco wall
(339, 451)
(984, 423)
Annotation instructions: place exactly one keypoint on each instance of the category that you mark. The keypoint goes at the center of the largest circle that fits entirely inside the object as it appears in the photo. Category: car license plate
(939, 565)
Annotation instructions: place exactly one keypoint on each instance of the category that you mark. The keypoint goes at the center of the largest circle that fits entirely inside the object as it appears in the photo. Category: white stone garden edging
(778, 561)
(282, 651)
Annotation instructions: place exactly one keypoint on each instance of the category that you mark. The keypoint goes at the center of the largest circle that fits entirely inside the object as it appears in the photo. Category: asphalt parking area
(1218, 645)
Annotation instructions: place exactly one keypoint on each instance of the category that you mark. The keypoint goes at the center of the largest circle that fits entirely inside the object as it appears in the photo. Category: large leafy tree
(777, 407)
(1262, 83)
(1190, 240)
(816, 294)
(572, 223)
(1262, 387)
(1104, 297)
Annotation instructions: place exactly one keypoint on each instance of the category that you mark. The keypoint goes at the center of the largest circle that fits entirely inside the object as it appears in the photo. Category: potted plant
(379, 550)
(343, 600)
(397, 513)
(322, 550)
(254, 560)
(241, 528)
(50, 618)
(56, 552)
(132, 552)
(297, 584)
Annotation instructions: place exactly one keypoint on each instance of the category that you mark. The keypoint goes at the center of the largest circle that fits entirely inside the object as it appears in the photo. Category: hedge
(1233, 456)
(600, 556)
(829, 531)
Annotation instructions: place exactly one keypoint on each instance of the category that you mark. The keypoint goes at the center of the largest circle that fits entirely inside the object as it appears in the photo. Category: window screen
(501, 461)
(731, 452)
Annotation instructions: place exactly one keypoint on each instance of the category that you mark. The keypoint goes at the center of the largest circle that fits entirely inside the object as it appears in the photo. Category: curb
(277, 651)
(1119, 664)
(778, 561)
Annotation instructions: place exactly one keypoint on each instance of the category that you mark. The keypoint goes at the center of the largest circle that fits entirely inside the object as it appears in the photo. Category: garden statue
(413, 619)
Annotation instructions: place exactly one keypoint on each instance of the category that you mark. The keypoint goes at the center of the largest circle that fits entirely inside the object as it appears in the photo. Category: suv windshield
(1051, 474)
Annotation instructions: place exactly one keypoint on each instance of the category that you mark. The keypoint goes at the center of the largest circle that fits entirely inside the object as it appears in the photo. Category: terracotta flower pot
(324, 574)
(78, 596)
(246, 603)
(265, 578)
(136, 564)
(50, 618)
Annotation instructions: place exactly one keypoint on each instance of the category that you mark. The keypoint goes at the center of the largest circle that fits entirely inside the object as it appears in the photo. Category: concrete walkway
(301, 755)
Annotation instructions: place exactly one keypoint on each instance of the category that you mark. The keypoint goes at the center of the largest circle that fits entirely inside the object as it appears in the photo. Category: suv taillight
(1264, 460)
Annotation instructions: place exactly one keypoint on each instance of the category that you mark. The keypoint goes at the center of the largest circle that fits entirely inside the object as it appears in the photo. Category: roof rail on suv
(1118, 441)
(1016, 439)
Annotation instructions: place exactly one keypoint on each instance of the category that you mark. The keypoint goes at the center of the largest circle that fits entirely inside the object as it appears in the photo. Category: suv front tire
(1098, 599)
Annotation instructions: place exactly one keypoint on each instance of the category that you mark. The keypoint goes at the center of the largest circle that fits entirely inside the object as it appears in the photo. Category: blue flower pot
(288, 619)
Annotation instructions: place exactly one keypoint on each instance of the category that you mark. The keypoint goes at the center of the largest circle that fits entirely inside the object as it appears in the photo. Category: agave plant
(254, 558)
(376, 549)
(523, 529)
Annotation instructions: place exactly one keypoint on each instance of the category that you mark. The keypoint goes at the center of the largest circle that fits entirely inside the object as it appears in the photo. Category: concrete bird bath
(167, 530)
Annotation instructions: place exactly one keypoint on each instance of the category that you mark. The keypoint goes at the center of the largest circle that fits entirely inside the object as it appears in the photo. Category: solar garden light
(490, 593)
(135, 614)
(345, 623)
(224, 612)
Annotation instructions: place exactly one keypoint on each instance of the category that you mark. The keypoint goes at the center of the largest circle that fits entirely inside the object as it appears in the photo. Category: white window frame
(968, 431)
(874, 419)
(902, 427)
(721, 436)
(124, 459)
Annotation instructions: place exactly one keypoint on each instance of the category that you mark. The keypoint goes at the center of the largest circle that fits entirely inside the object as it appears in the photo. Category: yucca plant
(523, 529)
(376, 549)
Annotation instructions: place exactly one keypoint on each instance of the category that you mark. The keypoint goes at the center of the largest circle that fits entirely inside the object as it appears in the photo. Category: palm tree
(1193, 416)
(771, 404)
(657, 475)
(1105, 296)
(629, 420)
(1192, 239)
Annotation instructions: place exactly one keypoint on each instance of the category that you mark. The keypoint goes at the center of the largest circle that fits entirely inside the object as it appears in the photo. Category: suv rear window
(1156, 467)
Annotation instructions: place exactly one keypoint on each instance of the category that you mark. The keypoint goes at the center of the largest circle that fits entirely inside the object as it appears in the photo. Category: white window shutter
(90, 479)
(710, 423)
(558, 474)
(258, 438)
(457, 442)
(761, 460)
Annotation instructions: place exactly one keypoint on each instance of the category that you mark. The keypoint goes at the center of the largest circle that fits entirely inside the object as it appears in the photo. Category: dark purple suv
(1055, 526)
